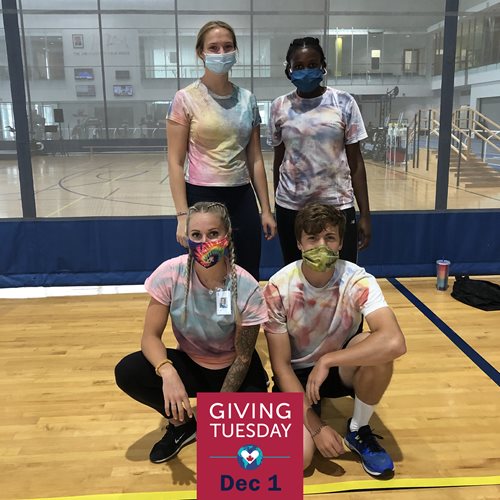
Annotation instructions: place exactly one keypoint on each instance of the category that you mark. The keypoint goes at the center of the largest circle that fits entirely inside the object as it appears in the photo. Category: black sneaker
(172, 442)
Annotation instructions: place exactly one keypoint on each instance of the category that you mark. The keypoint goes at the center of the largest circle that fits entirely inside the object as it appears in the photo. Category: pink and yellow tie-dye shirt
(219, 133)
(315, 132)
(207, 337)
(319, 320)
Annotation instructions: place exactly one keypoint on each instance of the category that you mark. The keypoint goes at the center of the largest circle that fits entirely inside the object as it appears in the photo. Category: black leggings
(136, 377)
(245, 219)
(285, 220)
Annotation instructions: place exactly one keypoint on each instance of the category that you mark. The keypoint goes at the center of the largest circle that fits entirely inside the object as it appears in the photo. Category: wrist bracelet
(178, 214)
(160, 364)
(317, 431)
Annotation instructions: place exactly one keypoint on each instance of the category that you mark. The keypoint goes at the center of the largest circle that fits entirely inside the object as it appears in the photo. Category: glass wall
(478, 40)
(10, 193)
(99, 83)
(475, 139)
(141, 74)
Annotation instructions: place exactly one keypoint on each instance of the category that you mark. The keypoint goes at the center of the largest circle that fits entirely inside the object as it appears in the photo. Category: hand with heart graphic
(249, 457)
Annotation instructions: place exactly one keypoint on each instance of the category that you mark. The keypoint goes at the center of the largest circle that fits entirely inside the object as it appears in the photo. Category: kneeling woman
(216, 310)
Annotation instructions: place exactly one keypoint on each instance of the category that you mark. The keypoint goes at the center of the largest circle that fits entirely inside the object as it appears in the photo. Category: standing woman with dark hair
(216, 125)
(315, 131)
(216, 309)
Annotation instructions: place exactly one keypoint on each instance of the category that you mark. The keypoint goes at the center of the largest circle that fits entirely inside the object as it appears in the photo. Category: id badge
(223, 300)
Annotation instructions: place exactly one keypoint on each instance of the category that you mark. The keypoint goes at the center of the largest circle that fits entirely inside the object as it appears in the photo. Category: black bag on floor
(482, 294)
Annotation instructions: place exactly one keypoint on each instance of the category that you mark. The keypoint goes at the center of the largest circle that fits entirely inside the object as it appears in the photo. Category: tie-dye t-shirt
(207, 337)
(219, 133)
(319, 320)
(315, 132)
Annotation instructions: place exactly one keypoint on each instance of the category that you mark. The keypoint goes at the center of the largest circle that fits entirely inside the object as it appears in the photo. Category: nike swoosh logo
(176, 441)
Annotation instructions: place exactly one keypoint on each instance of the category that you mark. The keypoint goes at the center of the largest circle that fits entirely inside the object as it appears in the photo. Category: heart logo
(250, 457)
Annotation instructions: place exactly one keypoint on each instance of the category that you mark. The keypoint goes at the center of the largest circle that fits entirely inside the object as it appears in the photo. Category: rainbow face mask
(208, 253)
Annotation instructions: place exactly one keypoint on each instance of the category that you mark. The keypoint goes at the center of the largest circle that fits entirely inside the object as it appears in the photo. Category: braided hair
(307, 42)
(220, 210)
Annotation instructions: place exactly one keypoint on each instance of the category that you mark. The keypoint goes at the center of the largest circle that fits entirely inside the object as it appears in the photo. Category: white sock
(361, 415)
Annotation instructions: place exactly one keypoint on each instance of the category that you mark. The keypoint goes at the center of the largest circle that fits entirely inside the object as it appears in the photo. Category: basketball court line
(473, 355)
(37, 292)
(313, 489)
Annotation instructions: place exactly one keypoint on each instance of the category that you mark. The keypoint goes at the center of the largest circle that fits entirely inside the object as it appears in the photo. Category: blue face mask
(220, 63)
(307, 80)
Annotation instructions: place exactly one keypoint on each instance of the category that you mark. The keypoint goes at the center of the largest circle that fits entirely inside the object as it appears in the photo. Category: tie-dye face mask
(208, 253)
(320, 258)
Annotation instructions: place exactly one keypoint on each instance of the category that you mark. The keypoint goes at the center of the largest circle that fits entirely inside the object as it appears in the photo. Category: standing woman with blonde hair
(216, 309)
(215, 125)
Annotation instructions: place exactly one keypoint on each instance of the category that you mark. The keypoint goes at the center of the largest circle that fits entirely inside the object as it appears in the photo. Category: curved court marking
(370, 484)
(481, 363)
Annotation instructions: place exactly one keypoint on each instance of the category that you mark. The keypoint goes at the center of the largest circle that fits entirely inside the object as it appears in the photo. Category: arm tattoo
(246, 338)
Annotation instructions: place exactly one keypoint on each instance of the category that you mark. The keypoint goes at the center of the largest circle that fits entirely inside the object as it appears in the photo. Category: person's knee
(122, 375)
(309, 448)
(307, 459)
(377, 372)
(352, 376)
(371, 382)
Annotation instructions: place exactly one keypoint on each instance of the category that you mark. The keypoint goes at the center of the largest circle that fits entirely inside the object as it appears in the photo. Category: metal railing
(472, 134)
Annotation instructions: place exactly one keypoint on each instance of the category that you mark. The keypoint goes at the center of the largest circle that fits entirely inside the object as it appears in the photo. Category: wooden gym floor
(67, 430)
(135, 184)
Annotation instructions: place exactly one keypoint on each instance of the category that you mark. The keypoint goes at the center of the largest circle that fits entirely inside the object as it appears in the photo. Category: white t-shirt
(315, 132)
(319, 320)
(207, 337)
(220, 129)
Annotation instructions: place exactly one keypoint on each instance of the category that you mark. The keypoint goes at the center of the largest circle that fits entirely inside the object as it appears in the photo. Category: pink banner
(249, 446)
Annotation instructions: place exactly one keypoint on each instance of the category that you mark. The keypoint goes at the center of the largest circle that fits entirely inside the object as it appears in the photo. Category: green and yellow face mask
(320, 258)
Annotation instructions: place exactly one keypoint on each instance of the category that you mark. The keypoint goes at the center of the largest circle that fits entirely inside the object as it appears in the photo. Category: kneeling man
(315, 306)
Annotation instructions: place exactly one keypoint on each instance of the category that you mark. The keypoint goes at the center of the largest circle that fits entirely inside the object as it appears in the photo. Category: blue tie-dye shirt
(315, 132)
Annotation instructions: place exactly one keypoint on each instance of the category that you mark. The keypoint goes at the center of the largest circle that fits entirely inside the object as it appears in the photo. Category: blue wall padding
(408, 244)
(101, 251)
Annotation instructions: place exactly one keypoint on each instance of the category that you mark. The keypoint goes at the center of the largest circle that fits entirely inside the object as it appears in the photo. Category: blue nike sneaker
(375, 460)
